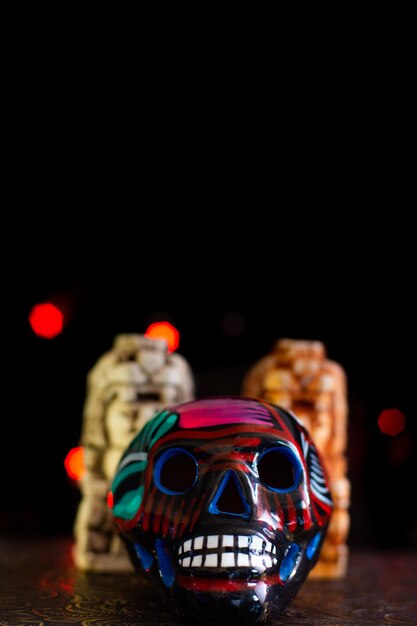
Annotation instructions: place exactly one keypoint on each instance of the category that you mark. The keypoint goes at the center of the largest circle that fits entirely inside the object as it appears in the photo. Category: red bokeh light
(110, 500)
(391, 422)
(74, 463)
(46, 320)
(165, 331)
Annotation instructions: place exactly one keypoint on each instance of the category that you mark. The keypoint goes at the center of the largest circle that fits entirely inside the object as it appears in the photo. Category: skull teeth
(228, 551)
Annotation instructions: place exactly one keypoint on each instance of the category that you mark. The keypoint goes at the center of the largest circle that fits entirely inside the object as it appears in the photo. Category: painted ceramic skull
(225, 500)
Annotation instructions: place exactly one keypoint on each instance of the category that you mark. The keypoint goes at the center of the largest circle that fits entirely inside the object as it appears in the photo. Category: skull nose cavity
(229, 498)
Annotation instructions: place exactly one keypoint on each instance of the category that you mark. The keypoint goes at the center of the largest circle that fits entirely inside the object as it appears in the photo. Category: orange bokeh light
(46, 320)
(391, 422)
(74, 463)
(166, 332)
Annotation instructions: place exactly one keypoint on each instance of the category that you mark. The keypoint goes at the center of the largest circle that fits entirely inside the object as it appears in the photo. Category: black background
(291, 273)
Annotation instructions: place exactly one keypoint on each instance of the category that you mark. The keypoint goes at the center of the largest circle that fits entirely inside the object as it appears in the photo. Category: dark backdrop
(351, 288)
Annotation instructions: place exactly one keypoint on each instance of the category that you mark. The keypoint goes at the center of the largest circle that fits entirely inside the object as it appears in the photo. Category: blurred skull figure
(297, 376)
(125, 388)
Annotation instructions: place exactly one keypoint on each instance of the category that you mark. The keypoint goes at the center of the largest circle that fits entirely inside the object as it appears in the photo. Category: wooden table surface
(39, 585)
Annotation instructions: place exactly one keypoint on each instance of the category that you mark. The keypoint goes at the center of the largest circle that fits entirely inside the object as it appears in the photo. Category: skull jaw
(254, 602)
(220, 608)
(217, 595)
(242, 595)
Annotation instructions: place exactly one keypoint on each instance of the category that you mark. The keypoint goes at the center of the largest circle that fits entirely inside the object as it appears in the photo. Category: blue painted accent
(289, 561)
(312, 546)
(165, 564)
(213, 508)
(160, 463)
(295, 462)
(144, 556)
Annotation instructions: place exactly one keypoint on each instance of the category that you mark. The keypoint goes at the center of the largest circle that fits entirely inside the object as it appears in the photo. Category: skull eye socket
(279, 469)
(176, 471)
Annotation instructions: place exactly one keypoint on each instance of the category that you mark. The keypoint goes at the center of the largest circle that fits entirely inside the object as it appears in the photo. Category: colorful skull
(225, 500)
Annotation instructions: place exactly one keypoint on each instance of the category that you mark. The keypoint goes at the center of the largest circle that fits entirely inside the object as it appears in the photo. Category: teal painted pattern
(127, 471)
(128, 502)
(163, 428)
(153, 430)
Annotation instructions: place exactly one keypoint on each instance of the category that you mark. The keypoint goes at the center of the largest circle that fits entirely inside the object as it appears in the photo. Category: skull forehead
(220, 425)
(223, 443)
(221, 412)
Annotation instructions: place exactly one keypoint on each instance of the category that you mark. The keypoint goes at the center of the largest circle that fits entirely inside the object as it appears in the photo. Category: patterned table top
(39, 585)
